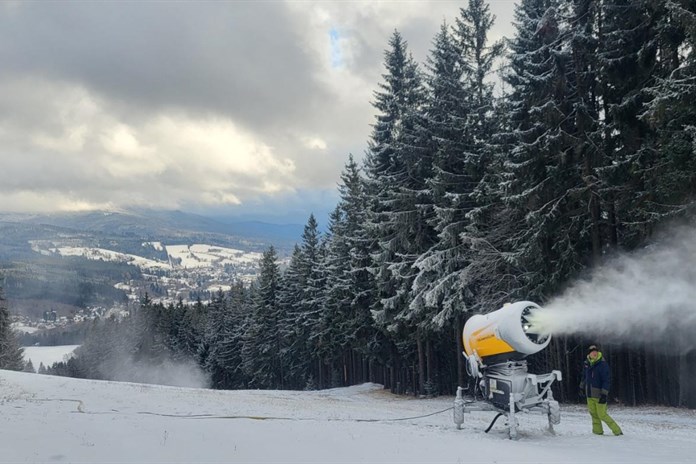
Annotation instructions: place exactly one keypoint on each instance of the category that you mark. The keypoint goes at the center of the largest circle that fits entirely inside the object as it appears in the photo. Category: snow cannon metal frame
(495, 345)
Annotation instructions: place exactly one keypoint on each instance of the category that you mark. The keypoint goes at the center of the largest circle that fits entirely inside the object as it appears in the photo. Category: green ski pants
(599, 415)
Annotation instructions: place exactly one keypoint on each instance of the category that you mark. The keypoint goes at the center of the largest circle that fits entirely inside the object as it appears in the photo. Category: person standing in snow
(596, 379)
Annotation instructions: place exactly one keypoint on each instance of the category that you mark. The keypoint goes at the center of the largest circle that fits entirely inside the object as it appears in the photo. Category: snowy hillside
(181, 271)
(201, 255)
(180, 256)
(54, 419)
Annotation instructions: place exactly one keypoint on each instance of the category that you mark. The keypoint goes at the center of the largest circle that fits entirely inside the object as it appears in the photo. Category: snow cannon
(495, 347)
(502, 335)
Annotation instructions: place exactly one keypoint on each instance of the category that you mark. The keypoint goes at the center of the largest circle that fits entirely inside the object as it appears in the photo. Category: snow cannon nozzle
(532, 322)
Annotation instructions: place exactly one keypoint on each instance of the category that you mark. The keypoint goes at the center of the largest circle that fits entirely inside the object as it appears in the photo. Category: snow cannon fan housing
(503, 335)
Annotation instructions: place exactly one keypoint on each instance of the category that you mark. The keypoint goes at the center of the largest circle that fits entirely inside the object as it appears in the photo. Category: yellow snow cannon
(495, 347)
(503, 335)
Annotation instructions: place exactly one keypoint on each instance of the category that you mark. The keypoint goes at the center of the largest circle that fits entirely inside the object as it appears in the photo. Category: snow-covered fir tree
(367, 344)
(228, 351)
(332, 338)
(543, 185)
(29, 367)
(301, 301)
(10, 351)
(445, 119)
(215, 336)
(261, 357)
(627, 54)
(671, 112)
(397, 164)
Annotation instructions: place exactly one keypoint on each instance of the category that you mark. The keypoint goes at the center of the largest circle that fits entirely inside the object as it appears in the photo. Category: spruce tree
(332, 337)
(397, 164)
(29, 367)
(365, 341)
(542, 185)
(302, 291)
(229, 349)
(627, 59)
(289, 294)
(583, 78)
(671, 112)
(261, 350)
(478, 57)
(10, 351)
(463, 121)
(384, 165)
(214, 336)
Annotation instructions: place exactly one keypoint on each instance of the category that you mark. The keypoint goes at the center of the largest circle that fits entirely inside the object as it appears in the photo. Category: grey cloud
(239, 58)
(259, 65)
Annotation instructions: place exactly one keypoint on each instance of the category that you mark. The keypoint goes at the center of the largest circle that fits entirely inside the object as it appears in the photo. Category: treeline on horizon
(468, 197)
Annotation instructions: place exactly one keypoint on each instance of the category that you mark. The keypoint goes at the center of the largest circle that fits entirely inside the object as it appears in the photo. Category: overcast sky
(241, 107)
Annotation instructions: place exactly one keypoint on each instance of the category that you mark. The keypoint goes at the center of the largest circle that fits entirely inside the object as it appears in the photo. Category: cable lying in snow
(212, 416)
(81, 410)
(80, 404)
(192, 416)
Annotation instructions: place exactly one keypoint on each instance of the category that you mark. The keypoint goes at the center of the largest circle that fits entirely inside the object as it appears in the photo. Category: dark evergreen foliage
(10, 351)
(262, 361)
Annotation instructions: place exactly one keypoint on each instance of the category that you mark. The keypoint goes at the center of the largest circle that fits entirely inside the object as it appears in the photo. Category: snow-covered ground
(180, 256)
(55, 419)
(21, 328)
(109, 255)
(47, 354)
(201, 255)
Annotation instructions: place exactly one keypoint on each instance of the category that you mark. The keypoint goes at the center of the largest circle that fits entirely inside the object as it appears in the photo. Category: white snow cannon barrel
(503, 335)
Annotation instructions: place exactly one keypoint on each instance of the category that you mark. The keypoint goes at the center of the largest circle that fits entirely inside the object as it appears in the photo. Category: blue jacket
(596, 377)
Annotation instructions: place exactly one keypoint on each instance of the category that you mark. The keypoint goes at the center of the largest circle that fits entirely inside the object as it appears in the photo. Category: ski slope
(55, 419)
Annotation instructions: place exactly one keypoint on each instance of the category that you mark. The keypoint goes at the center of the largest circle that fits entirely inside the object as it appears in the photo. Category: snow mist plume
(164, 372)
(645, 297)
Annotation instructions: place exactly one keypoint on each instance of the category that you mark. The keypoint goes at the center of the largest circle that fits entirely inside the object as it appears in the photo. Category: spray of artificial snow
(165, 372)
(645, 297)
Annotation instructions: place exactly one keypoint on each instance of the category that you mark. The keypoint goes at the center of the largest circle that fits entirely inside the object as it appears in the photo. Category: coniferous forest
(495, 172)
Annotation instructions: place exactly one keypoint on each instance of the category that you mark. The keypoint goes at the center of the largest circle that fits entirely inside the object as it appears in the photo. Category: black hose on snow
(494, 419)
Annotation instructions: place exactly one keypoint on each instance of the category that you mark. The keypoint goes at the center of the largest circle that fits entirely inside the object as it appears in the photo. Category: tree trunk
(421, 368)
(431, 362)
(394, 369)
(583, 120)
(650, 378)
(459, 348)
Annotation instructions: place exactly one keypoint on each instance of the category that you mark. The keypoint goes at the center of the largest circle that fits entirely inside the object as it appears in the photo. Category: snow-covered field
(55, 419)
(180, 256)
(200, 255)
(109, 255)
(47, 354)
(21, 328)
